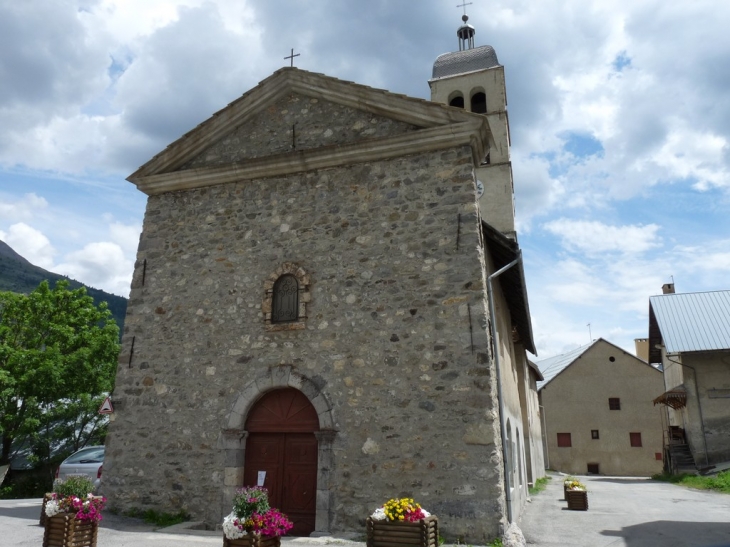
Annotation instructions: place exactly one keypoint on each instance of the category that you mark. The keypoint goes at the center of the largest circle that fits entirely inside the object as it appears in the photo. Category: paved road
(19, 528)
(628, 513)
(622, 513)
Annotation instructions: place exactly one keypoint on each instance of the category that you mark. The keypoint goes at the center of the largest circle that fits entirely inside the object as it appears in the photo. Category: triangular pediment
(297, 120)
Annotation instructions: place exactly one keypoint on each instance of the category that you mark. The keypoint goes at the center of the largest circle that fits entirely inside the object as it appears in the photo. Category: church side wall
(387, 341)
(537, 452)
(510, 361)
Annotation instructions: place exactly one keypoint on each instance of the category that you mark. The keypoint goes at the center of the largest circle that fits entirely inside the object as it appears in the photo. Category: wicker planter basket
(577, 500)
(252, 540)
(46, 498)
(383, 533)
(65, 530)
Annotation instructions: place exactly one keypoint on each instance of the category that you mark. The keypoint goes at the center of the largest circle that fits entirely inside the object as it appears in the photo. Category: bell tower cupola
(466, 34)
(473, 79)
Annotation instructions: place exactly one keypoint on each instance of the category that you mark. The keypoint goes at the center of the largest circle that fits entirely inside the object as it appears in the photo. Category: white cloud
(24, 208)
(126, 236)
(593, 237)
(100, 86)
(101, 265)
(31, 244)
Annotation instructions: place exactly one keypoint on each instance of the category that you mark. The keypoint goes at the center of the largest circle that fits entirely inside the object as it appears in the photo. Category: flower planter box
(252, 540)
(383, 533)
(577, 500)
(65, 530)
(46, 498)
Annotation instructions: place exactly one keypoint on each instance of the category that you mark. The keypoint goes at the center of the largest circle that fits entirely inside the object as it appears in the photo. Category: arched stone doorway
(281, 442)
(233, 439)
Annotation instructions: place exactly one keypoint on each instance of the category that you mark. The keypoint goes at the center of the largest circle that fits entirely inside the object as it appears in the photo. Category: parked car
(87, 461)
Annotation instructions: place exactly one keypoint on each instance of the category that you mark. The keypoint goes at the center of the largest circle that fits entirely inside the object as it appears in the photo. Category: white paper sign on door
(261, 478)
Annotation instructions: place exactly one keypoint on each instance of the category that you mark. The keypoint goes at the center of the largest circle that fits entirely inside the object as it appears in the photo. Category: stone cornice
(473, 133)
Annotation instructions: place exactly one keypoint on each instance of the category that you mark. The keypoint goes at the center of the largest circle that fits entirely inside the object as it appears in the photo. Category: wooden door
(281, 442)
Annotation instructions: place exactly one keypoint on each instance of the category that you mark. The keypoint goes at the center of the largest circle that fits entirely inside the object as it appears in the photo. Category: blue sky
(619, 118)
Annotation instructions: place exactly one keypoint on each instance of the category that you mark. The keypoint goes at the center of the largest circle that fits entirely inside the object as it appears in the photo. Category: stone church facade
(310, 301)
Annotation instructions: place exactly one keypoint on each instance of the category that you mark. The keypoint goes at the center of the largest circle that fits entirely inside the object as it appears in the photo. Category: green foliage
(540, 485)
(20, 276)
(158, 518)
(75, 485)
(718, 483)
(57, 356)
(25, 486)
(250, 500)
(495, 543)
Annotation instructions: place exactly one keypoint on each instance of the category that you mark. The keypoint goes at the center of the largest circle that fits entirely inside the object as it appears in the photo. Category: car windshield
(95, 455)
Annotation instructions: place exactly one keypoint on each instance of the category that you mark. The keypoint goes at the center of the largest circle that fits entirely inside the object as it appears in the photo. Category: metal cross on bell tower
(466, 31)
(464, 6)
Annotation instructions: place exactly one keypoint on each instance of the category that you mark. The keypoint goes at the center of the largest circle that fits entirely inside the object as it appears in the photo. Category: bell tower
(473, 79)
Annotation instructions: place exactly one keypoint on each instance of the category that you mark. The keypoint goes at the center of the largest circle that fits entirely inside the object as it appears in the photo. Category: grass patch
(540, 485)
(718, 483)
(158, 518)
(496, 543)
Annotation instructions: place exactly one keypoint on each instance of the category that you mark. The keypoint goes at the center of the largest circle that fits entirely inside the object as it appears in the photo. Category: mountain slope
(19, 275)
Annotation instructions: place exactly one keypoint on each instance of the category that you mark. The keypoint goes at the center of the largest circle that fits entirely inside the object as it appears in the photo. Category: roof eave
(503, 251)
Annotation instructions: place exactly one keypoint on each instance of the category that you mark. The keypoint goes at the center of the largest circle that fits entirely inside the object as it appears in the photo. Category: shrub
(75, 485)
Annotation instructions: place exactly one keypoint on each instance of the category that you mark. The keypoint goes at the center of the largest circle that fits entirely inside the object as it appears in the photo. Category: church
(329, 300)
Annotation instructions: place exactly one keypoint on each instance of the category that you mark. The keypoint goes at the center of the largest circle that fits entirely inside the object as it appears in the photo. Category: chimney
(668, 288)
(642, 348)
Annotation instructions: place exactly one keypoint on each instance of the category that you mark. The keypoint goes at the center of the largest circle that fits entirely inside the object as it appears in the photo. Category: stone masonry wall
(387, 340)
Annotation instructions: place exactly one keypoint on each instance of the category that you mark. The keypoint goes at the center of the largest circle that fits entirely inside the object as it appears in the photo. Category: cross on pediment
(291, 56)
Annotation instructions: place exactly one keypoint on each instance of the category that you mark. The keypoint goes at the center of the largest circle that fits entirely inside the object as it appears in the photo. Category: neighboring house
(599, 416)
(689, 336)
(321, 300)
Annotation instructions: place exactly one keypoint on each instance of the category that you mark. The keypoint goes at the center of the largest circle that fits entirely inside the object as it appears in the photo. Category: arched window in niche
(285, 300)
(286, 297)
(479, 103)
(457, 101)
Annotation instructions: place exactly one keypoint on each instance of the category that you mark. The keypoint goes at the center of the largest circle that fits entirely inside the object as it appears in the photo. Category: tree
(56, 349)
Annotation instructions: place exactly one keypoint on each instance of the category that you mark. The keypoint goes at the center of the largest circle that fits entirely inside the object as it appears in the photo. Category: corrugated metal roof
(461, 62)
(698, 321)
(553, 366)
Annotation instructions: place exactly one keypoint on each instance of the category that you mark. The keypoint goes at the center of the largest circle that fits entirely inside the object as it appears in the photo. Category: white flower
(425, 513)
(231, 529)
(378, 514)
(52, 508)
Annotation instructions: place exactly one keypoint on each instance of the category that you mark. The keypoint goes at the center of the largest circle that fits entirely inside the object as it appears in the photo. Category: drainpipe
(699, 404)
(502, 425)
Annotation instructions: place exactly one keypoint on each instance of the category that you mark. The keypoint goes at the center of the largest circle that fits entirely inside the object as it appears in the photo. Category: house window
(564, 440)
(285, 304)
(658, 456)
(614, 403)
(593, 469)
(594, 433)
(635, 439)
